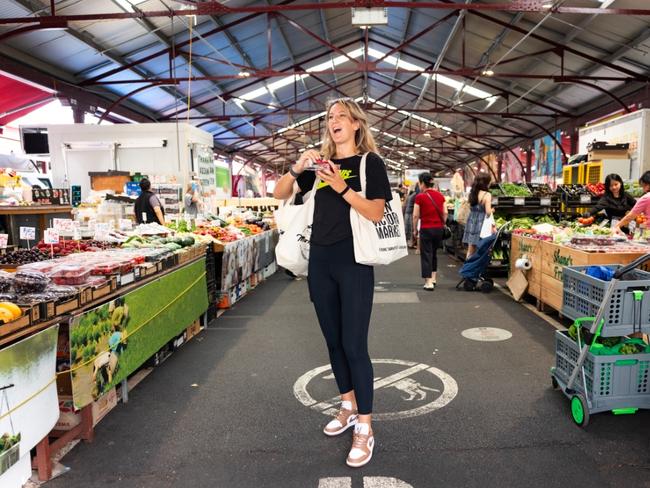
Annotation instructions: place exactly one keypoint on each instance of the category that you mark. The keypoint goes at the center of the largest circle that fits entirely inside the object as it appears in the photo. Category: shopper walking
(341, 289)
(147, 207)
(431, 211)
(480, 201)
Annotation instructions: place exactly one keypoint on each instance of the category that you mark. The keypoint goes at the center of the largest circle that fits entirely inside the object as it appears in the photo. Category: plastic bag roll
(523, 263)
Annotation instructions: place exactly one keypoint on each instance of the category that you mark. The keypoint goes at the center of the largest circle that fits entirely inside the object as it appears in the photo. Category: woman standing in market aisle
(340, 288)
(480, 201)
(615, 202)
(431, 209)
(642, 206)
(408, 216)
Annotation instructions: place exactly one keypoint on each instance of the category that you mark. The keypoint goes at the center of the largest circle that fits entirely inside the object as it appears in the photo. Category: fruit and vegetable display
(23, 256)
(515, 190)
(598, 189)
(634, 189)
(574, 192)
(608, 346)
(27, 281)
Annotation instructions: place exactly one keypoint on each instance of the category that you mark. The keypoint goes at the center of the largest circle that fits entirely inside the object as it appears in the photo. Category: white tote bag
(294, 223)
(488, 227)
(382, 242)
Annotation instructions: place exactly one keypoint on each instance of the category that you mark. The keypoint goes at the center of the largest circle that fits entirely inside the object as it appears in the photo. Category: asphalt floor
(242, 404)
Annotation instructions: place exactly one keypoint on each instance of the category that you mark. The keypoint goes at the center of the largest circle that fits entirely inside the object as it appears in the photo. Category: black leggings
(342, 293)
(430, 241)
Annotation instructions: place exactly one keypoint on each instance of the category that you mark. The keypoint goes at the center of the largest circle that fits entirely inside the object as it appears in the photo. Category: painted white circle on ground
(486, 334)
(401, 380)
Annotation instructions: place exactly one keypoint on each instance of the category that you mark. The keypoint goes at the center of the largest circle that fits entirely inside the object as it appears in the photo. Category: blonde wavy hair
(363, 137)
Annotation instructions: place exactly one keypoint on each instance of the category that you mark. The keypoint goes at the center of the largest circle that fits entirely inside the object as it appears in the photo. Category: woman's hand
(333, 178)
(307, 159)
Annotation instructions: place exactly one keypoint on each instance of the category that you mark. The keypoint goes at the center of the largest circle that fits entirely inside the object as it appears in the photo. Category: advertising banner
(511, 169)
(549, 158)
(29, 406)
(110, 342)
(247, 256)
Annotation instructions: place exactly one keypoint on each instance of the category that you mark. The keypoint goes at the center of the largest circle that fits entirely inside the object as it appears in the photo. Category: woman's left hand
(333, 178)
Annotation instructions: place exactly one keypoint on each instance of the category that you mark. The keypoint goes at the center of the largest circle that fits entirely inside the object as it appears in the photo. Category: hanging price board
(76, 234)
(545, 202)
(28, 233)
(51, 236)
(585, 198)
(520, 201)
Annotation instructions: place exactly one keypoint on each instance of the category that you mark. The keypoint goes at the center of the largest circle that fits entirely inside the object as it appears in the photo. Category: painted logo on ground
(417, 387)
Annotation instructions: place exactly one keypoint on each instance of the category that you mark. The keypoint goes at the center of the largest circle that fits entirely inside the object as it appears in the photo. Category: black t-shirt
(332, 212)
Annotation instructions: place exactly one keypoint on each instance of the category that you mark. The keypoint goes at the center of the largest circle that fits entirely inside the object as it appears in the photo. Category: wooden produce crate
(67, 306)
(554, 259)
(521, 246)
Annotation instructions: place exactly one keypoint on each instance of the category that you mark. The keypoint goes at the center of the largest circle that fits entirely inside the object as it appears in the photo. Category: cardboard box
(69, 417)
(597, 155)
(193, 329)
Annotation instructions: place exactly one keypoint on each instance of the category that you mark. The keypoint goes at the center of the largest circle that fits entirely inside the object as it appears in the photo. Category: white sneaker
(363, 443)
(342, 422)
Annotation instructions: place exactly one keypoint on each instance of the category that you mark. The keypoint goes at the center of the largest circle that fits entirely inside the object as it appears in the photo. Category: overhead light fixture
(244, 74)
(364, 17)
(401, 160)
(487, 72)
(427, 134)
(547, 5)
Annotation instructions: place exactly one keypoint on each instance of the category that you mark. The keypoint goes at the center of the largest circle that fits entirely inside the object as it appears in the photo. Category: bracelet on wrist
(345, 190)
(293, 173)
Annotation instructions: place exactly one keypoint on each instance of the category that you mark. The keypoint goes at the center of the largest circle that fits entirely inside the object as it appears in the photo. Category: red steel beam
(230, 94)
(367, 67)
(217, 8)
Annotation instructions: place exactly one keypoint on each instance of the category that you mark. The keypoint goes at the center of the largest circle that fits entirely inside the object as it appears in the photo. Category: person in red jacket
(431, 211)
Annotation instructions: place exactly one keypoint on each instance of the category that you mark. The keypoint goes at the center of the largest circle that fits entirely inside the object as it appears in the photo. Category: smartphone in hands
(319, 165)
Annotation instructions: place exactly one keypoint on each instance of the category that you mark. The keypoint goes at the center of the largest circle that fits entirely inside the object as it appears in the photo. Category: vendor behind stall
(615, 202)
(191, 200)
(148, 208)
(642, 206)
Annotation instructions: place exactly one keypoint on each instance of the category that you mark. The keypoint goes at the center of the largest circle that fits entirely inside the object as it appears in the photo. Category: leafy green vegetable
(513, 190)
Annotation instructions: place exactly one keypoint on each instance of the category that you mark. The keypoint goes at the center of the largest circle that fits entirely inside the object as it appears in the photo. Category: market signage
(28, 233)
(111, 341)
(29, 405)
(205, 168)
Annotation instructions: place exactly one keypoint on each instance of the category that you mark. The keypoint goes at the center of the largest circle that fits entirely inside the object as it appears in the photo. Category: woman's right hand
(308, 158)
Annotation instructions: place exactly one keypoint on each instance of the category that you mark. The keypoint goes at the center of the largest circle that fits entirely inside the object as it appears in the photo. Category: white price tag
(520, 201)
(4, 238)
(495, 201)
(545, 202)
(91, 224)
(76, 234)
(28, 233)
(101, 231)
(63, 225)
(51, 236)
(585, 198)
(126, 224)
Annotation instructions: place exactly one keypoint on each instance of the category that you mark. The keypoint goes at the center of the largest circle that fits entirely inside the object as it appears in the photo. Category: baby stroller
(473, 272)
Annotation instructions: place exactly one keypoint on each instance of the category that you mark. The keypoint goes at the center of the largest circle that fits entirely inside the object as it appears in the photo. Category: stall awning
(18, 99)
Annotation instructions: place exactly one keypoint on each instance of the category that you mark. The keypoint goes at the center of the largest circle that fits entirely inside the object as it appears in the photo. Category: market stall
(542, 256)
